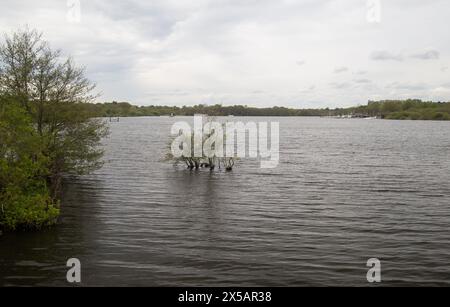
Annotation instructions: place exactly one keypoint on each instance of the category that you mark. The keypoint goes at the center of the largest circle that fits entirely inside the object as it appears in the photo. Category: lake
(345, 190)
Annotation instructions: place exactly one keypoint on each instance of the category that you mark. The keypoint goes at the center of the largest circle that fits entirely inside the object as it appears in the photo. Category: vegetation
(208, 158)
(389, 109)
(24, 197)
(408, 109)
(46, 129)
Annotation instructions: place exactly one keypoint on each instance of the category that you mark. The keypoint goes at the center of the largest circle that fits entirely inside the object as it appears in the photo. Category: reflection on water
(345, 191)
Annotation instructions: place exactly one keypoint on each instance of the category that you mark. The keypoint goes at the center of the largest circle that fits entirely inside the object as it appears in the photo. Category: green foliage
(47, 129)
(27, 208)
(418, 110)
(24, 199)
(56, 95)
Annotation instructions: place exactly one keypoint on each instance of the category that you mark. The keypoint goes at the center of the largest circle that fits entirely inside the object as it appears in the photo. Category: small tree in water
(208, 158)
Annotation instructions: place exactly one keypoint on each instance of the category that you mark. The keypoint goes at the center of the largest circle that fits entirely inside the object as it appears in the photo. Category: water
(345, 190)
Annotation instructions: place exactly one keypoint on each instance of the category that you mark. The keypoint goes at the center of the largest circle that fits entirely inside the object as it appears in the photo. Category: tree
(55, 93)
(25, 201)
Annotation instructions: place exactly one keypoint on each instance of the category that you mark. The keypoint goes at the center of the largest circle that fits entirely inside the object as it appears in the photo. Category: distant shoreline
(412, 109)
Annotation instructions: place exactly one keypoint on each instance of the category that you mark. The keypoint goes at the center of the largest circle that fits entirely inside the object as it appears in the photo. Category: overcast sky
(295, 53)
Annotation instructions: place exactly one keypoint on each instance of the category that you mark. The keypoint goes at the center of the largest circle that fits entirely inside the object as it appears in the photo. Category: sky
(293, 53)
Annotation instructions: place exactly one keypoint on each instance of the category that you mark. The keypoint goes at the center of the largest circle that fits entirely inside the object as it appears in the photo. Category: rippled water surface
(344, 191)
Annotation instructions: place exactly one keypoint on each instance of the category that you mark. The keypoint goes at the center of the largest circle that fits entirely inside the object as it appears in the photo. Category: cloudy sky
(296, 53)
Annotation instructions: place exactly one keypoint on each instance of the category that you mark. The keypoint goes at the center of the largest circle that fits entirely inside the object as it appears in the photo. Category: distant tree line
(407, 109)
(388, 109)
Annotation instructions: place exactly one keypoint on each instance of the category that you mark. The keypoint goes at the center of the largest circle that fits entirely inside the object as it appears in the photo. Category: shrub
(27, 211)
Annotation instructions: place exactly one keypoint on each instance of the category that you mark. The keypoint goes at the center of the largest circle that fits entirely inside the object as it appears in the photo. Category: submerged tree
(208, 157)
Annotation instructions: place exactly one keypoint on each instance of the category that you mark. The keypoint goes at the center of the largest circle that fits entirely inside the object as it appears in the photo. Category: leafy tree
(55, 93)
(24, 197)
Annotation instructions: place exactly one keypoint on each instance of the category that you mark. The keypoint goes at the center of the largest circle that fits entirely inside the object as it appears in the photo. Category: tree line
(388, 109)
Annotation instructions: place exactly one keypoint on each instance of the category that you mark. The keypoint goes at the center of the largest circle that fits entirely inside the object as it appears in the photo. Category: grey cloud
(383, 55)
(409, 86)
(340, 85)
(362, 81)
(308, 89)
(154, 19)
(339, 70)
(427, 55)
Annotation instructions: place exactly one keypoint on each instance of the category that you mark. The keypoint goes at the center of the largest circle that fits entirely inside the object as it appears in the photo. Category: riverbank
(386, 109)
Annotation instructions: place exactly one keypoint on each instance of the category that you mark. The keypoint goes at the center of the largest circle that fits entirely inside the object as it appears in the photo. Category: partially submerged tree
(207, 158)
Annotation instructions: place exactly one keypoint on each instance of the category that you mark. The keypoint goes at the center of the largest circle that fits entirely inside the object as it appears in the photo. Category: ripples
(344, 191)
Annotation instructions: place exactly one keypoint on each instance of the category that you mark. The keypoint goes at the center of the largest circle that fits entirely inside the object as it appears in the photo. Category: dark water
(344, 191)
